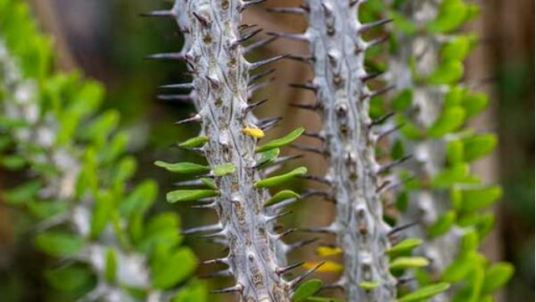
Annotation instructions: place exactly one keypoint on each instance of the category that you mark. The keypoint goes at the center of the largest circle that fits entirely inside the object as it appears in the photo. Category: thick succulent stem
(338, 49)
(221, 76)
(425, 205)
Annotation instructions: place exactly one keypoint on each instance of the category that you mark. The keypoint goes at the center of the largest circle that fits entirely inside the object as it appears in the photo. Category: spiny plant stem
(221, 75)
(338, 50)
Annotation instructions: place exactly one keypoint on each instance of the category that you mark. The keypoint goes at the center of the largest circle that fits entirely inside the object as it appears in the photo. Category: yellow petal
(328, 267)
(326, 251)
(255, 132)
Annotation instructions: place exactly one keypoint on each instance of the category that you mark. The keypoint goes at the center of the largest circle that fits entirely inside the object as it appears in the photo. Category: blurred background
(107, 40)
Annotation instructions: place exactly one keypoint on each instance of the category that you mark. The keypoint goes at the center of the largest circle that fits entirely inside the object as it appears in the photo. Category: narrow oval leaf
(283, 141)
(189, 195)
(478, 199)
(224, 169)
(369, 285)
(451, 119)
(404, 246)
(479, 146)
(183, 168)
(280, 196)
(447, 73)
(194, 142)
(209, 183)
(306, 290)
(442, 225)
(59, 244)
(268, 157)
(409, 262)
(425, 292)
(497, 276)
(277, 180)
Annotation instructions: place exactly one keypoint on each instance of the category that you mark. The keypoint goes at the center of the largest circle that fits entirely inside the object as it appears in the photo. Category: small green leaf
(47, 209)
(478, 146)
(13, 162)
(280, 196)
(369, 285)
(456, 49)
(189, 195)
(404, 246)
(450, 176)
(194, 142)
(425, 292)
(172, 269)
(452, 14)
(460, 268)
(23, 193)
(306, 290)
(268, 157)
(209, 183)
(224, 169)
(447, 73)
(451, 119)
(183, 168)
(478, 199)
(442, 225)
(470, 242)
(403, 100)
(111, 266)
(70, 279)
(277, 180)
(455, 151)
(194, 291)
(408, 262)
(497, 276)
(403, 24)
(280, 142)
(59, 244)
(474, 103)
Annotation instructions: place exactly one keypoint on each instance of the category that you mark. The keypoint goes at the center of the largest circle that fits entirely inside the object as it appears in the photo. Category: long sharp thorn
(286, 269)
(284, 159)
(286, 10)
(261, 75)
(377, 41)
(268, 124)
(317, 179)
(300, 244)
(324, 194)
(394, 164)
(178, 86)
(202, 229)
(218, 274)
(298, 280)
(372, 25)
(195, 118)
(202, 20)
(209, 205)
(213, 235)
(186, 183)
(402, 228)
(174, 97)
(256, 105)
(307, 149)
(216, 261)
(258, 44)
(404, 280)
(286, 233)
(158, 13)
(296, 37)
(382, 119)
(246, 37)
(313, 107)
(307, 86)
(372, 76)
(314, 135)
(167, 56)
(262, 63)
(251, 3)
(378, 92)
(232, 289)
(258, 86)
(303, 59)
(319, 230)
